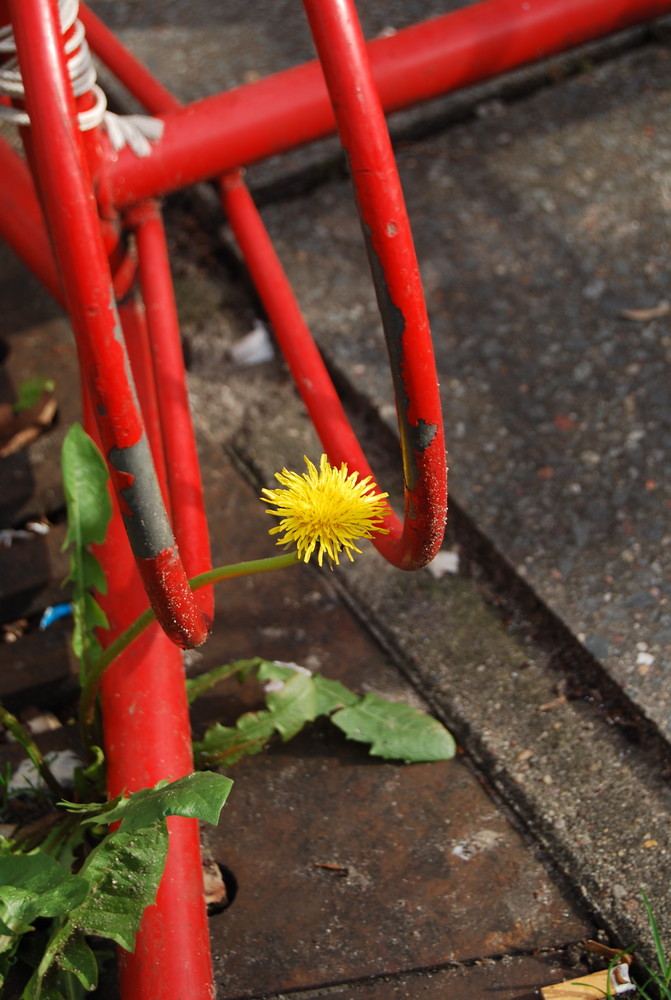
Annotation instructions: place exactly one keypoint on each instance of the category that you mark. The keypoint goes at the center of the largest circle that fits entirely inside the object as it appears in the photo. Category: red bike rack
(68, 212)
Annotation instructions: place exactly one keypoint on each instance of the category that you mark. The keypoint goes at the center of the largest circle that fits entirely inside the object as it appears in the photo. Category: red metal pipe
(183, 470)
(144, 706)
(55, 151)
(299, 349)
(185, 486)
(384, 221)
(136, 336)
(409, 545)
(147, 736)
(22, 222)
(273, 115)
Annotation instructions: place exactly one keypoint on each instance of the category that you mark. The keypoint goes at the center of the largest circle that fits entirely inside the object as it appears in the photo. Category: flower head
(326, 508)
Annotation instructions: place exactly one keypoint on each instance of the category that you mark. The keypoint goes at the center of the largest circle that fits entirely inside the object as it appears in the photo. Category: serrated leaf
(197, 796)
(329, 695)
(123, 873)
(395, 730)
(88, 571)
(45, 887)
(289, 708)
(292, 705)
(332, 695)
(78, 959)
(88, 616)
(224, 745)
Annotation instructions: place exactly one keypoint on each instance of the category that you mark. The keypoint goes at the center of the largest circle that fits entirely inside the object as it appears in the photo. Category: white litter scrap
(254, 348)
(445, 562)
(10, 535)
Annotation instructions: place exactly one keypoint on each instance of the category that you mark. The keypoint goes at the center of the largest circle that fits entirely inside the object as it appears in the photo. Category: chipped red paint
(162, 575)
(364, 136)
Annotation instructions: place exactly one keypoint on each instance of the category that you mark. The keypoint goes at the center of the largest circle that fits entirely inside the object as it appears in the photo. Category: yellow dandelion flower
(326, 508)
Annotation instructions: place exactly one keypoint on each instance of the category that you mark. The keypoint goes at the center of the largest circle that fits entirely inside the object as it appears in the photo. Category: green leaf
(197, 686)
(35, 885)
(85, 486)
(395, 731)
(32, 886)
(292, 705)
(295, 696)
(89, 510)
(78, 959)
(29, 392)
(198, 796)
(123, 873)
(332, 695)
(227, 744)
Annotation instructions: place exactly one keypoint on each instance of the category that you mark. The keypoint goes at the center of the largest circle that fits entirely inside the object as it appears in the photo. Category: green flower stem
(123, 641)
(11, 723)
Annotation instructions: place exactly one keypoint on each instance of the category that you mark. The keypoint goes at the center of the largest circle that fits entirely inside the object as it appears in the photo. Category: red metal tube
(250, 123)
(299, 349)
(147, 732)
(148, 738)
(409, 545)
(136, 336)
(183, 470)
(384, 221)
(21, 221)
(56, 154)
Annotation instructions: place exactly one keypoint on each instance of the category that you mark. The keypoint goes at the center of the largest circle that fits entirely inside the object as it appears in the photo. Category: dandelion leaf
(395, 730)
(89, 509)
(292, 705)
(123, 873)
(224, 745)
(201, 796)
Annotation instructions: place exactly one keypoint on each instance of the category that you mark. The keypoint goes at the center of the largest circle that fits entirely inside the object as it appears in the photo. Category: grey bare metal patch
(423, 434)
(415, 439)
(144, 516)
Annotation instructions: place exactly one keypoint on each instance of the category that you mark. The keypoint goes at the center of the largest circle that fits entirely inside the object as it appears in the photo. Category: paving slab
(374, 869)
(347, 869)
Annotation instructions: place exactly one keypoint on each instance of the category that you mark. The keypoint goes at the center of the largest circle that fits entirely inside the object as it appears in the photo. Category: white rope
(136, 131)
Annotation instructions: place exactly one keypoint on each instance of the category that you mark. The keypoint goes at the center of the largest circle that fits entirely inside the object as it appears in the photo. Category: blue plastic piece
(52, 614)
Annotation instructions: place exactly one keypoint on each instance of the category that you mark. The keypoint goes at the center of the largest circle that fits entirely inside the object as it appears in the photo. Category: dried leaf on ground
(645, 315)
